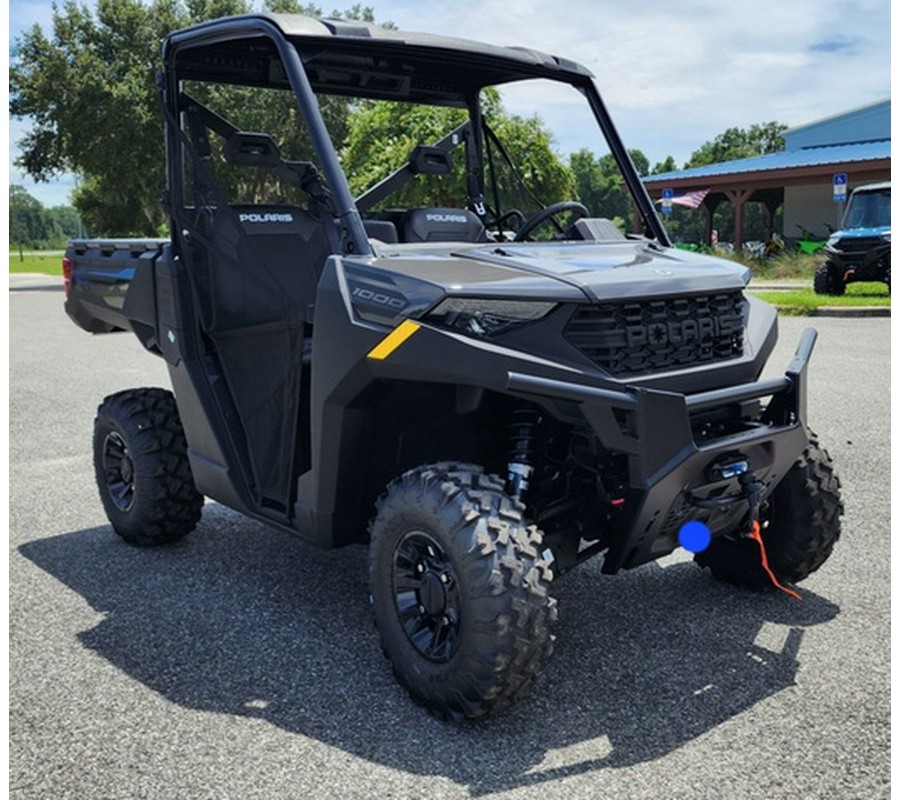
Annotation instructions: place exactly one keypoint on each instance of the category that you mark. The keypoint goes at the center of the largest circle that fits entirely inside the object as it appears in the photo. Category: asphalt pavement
(242, 663)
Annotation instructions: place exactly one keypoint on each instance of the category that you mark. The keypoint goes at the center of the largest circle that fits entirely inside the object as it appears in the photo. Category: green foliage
(89, 90)
(382, 135)
(737, 143)
(785, 265)
(33, 227)
(530, 147)
(599, 185)
(27, 222)
(668, 165)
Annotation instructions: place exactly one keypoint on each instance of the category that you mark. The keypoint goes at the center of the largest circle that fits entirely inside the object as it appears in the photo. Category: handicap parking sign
(839, 185)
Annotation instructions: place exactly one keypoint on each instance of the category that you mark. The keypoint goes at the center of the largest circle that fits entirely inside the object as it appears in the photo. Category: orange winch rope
(757, 536)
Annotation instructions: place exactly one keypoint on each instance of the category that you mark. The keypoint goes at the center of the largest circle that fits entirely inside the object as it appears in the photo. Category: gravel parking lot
(242, 663)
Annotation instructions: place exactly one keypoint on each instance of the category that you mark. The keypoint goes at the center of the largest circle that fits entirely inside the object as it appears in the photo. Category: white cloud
(674, 75)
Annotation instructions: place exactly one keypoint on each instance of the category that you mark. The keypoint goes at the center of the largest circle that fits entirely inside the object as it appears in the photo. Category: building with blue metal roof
(855, 144)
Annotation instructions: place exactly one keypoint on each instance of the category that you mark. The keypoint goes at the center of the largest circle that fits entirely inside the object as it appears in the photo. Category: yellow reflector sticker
(394, 339)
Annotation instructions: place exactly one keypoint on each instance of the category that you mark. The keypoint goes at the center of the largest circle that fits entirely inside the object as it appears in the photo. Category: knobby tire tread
(167, 504)
(500, 559)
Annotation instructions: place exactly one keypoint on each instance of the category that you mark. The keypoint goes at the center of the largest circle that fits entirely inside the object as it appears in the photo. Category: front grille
(646, 336)
(855, 249)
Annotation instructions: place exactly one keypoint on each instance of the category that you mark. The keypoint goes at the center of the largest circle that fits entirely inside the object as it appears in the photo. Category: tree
(599, 184)
(66, 222)
(89, 90)
(29, 224)
(668, 165)
(382, 135)
(33, 226)
(737, 143)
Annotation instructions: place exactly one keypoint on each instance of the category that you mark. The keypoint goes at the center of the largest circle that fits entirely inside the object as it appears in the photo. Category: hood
(595, 271)
(861, 233)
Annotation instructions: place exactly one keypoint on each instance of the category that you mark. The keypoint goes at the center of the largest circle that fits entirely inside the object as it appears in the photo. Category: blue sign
(839, 186)
(667, 195)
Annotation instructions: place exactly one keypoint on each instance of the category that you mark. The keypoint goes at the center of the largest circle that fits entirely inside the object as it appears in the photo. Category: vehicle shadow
(239, 619)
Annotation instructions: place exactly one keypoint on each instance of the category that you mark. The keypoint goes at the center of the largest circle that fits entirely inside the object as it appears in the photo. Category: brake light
(67, 275)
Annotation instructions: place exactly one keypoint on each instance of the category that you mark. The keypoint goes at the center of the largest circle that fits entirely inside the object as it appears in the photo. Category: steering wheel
(540, 217)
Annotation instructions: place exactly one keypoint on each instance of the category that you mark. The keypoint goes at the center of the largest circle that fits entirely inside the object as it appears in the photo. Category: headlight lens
(483, 318)
(833, 240)
(886, 236)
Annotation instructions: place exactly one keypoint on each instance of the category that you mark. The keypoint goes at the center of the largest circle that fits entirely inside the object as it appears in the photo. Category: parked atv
(861, 249)
(477, 378)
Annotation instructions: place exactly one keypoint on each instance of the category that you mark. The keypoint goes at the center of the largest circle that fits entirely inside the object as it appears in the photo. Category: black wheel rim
(426, 595)
(118, 469)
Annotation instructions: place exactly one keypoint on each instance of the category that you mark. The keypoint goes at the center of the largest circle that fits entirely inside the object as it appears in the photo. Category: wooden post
(737, 198)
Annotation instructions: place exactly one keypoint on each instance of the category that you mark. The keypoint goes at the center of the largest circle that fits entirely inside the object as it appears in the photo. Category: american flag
(691, 199)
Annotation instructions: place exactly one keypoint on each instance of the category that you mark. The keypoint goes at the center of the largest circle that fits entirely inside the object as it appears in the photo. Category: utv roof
(356, 58)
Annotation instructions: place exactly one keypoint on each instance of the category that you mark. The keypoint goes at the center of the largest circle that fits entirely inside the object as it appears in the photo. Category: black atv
(477, 377)
(861, 249)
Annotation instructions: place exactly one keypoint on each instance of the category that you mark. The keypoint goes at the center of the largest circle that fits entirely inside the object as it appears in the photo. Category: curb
(777, 286)
(850, 311)
(23, 281)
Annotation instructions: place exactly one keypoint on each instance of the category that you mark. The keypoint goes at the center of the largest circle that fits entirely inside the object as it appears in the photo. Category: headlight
(886, 236)
(833, 240)
(486, 317)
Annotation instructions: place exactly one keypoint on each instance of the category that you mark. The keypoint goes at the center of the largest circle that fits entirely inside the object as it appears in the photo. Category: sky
(673, 73)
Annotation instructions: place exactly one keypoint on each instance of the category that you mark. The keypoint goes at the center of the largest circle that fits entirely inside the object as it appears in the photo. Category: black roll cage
(479, 66)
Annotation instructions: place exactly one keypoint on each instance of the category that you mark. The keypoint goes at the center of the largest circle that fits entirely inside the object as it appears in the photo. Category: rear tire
(829, 280)
(799, 524)
(142, 468)
(460, 591)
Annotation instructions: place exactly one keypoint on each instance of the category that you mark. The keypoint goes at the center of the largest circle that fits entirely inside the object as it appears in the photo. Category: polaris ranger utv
(861, 249)
(504, 385)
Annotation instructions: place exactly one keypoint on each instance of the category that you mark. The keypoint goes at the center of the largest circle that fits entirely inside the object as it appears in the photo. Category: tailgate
(109, 283)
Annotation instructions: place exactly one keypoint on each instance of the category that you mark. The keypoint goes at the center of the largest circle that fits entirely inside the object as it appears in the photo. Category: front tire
(460, 590)
(829, 280)
(142, 468)
(800, 524)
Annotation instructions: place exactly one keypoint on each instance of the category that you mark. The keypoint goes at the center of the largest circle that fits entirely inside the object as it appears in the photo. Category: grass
(45, 263)
(804, 301)
(787, 266)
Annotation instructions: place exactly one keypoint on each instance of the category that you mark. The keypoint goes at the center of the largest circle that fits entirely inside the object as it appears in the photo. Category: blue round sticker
(694, 536)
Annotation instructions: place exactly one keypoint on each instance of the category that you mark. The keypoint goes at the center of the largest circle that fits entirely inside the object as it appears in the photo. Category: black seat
(266, 265)
(381, 229)
(441, 225)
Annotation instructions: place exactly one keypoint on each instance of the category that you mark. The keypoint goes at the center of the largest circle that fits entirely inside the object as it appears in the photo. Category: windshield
(529, 146)
(869, 210)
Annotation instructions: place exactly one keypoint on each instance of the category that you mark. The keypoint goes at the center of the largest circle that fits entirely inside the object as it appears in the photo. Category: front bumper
(667, 467)
(859, 262)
